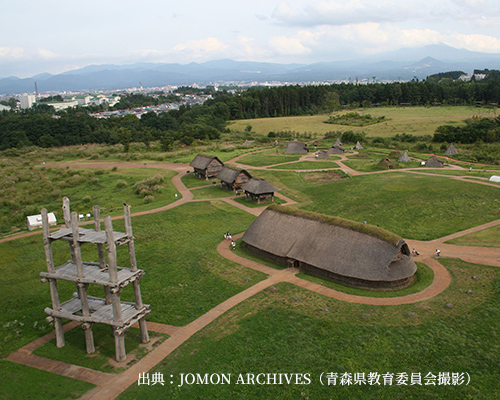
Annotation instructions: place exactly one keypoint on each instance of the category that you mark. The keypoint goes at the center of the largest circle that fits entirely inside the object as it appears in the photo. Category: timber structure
(88, 310)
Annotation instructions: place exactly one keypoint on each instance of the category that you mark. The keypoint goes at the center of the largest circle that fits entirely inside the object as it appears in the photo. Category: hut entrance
(292, 264)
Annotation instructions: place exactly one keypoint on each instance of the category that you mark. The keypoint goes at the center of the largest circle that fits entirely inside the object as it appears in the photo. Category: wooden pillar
(89, 337)
(54, 293)
(133, 267)
(67, 223)
(120, 352)
(100, 251)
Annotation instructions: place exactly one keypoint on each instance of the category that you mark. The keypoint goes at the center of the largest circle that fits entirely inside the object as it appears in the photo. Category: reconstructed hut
(247, 143)
(336, 149)
(296, 148)
(258, 190)
(434, 162)
(233, 179)
(386, 163)
(337, 143)
(206, 166)
(404, 157)
(347, 252)
(358, 146)
(451, 151)
(322, 154)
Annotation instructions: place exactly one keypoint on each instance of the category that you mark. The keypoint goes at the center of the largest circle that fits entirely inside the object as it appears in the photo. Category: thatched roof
(296, 148)
(322, 154)
(336, 149)
(229, 175)
(404, 157)
(258, 186)
(202, 161)
(358, 146)
(451, 151)
(433, 161)
(343, 247)
(337, 143)
(394, 154)
(386, 163)
(247, 143)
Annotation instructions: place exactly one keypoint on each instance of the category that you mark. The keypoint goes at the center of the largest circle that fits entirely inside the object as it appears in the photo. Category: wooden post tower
(87, 309)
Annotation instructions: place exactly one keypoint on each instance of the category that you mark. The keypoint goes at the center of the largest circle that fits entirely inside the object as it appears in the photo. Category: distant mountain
(404, 64)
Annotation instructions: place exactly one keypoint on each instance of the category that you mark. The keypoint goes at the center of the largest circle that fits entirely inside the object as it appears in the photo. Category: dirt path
(109, 386)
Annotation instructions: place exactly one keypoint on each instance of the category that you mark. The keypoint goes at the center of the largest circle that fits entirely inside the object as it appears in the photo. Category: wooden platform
(100, 312)
(89, 236)
(93, 274)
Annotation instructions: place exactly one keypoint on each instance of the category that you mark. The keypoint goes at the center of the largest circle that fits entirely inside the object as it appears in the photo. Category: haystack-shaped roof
(433, 161)
(358, 146)
(229, 175)
(339, 246)
(386, 163)
(336, 149)
(337, 143)
(322, 154)
(404, 157)
(247, 143)
(258, 186)
(451, 151)
(296, 148)
(202, 161)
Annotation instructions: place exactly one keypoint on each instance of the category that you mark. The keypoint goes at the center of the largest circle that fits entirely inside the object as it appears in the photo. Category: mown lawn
(286, 329)
(487, 238)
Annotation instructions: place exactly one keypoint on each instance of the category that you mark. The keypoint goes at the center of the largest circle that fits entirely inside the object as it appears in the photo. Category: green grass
(410, 205)
(486, 238)
(411, 120)
(307, 165)
(286, 329)
(18, 381)
(74, 351)
(263, 159)
(423, 278)
(26, 191)
(191, 181)
(212, 192)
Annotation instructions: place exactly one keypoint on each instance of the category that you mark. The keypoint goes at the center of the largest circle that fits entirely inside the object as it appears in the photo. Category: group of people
(416, 253)
(228, 236)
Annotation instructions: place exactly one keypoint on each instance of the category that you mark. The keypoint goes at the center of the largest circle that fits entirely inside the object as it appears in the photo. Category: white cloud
(12, 52)
(201, 48)
(290, 45)
(47, 54)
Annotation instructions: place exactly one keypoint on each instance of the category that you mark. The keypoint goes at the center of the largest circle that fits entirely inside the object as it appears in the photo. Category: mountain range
(401, 65)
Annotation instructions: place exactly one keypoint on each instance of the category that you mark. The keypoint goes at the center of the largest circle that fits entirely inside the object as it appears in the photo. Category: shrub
(121, 183)
(148, 199)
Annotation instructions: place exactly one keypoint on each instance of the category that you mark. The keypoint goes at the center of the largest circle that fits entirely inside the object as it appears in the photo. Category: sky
(55, 36)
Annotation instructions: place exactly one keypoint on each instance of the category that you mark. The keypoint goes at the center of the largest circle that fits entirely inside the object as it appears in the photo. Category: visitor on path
(415, 252)
(438, 252)
(233, 244)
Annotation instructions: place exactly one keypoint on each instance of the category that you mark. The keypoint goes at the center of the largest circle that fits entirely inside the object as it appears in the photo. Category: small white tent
(35, 221)
(494, 178)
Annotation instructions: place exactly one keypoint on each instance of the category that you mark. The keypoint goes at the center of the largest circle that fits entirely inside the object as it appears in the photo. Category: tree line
(40, 127)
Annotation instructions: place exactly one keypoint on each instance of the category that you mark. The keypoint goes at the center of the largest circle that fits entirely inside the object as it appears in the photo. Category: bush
(121, 183)
(148, 199)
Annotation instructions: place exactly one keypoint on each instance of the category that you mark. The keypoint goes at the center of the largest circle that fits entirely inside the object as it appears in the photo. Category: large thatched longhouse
(344, 251)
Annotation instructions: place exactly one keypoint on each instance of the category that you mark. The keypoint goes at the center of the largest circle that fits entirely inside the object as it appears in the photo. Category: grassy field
(286, 329)
(411, 120)
(488, 238)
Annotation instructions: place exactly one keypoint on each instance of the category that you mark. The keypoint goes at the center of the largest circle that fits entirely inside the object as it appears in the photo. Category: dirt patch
(326, 176)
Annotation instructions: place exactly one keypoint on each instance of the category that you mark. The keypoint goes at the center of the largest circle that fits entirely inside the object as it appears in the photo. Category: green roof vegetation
(342, 222)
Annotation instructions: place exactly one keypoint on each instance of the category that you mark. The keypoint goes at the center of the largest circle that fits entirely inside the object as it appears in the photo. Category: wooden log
(111, 246)
(121, 354)
(100, 250)
(76, 246)
(46, 241)
(130, 235)
(144, 330)
(89, 338)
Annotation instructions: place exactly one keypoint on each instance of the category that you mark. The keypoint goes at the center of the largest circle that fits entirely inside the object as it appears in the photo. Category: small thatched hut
(258, 190)
(345, 251)
(322, 154)
(358, 146)
(434, 162)
(404, 157)
(336, 149)
(394, 154)
(247, 143)
(450, 151)
(206, 166)
(233, 179)
(337, 143)
(296, 148)
(386, 163)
